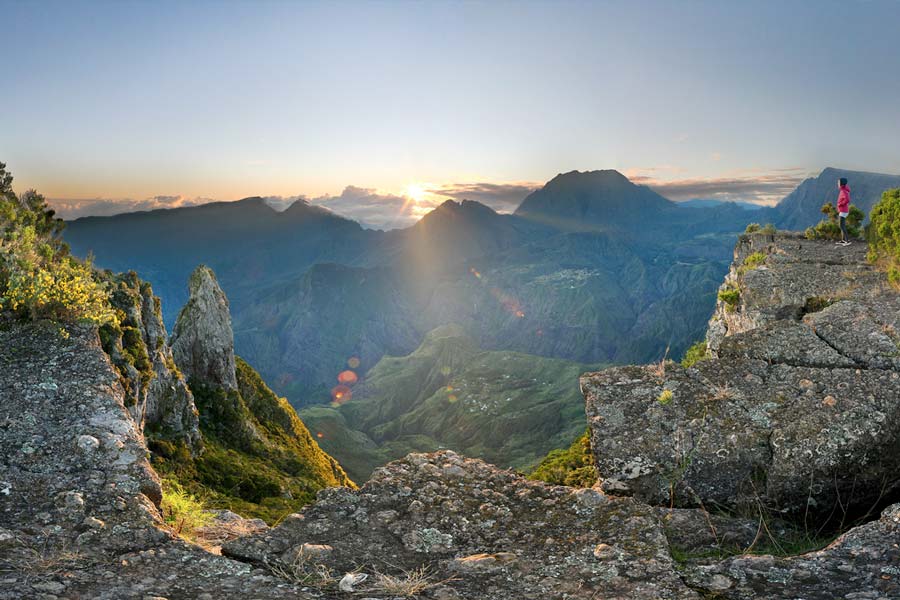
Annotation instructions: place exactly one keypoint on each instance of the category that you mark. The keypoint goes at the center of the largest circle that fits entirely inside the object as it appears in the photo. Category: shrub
(38, 277)
(731, 296)
(573, 466)
(829, 228)
(694, 354)
(752, 261)
(884, 234)
(183, 511)
(769, 228)
(665, 397)
(752, 228)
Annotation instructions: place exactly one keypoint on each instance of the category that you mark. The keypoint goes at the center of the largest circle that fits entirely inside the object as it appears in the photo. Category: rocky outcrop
(78, 499)
(157, 395)
(864, 563)
(796, 410)
(202, 340)
(479, 532)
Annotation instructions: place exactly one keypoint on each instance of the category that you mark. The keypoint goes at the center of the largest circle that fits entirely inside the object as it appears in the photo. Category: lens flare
(452, 398)
(347, 377)
(353, 362)
(320, 435)
(341, 394)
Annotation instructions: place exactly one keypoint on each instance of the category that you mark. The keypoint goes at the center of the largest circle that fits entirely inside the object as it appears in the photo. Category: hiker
(843, 207)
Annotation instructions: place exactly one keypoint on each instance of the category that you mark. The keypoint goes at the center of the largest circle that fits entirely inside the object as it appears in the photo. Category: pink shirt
(843, 204)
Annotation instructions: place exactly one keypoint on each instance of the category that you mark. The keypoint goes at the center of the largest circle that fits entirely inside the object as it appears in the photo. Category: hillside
(258, 457)
(505, 407)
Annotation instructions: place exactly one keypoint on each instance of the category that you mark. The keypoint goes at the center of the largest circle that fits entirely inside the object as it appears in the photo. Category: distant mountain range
(711, 202)
(591, 268)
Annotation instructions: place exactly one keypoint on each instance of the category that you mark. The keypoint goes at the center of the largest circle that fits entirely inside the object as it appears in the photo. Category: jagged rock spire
(203, 341)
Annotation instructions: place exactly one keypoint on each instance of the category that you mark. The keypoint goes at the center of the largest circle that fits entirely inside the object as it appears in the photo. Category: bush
(573, 466)
(731, 296)
(38, 277)
(183, 511)
(829, 228)
(694, 354)
(752, 228)
(752, 261)
(884, 234)
(665, 397)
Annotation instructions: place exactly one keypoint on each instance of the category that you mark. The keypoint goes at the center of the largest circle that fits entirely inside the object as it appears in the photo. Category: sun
(416, 192)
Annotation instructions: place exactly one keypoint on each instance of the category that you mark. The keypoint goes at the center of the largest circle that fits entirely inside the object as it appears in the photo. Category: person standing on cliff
(843, 207)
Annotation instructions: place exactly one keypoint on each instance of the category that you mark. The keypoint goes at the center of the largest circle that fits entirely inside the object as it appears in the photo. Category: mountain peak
(577, 199)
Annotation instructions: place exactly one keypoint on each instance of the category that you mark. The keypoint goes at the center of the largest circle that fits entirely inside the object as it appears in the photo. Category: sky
(381, 110)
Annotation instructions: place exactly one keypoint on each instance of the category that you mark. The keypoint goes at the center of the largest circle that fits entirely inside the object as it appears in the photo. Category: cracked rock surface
(485, 532)
(78, 514)
(797, 408)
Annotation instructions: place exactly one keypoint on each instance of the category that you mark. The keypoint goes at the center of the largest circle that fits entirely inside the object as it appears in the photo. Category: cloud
(375, 210)
(765, 189)
(73, 208)
(502, 197)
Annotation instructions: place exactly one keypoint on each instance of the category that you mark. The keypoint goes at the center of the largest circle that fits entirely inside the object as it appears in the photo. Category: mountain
(710, 203)
(591, 269)
(506, 407)
(801, 208)
(594, 200)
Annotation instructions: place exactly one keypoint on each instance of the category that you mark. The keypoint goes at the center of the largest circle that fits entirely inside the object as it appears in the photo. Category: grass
(305, 571)
(409, 584)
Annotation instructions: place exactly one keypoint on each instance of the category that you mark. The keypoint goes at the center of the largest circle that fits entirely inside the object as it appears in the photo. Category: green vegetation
(755, 227)
(694, 354)
(573, 466)
(731, 296)
(829, 228)
(39, 279)
(752, 261)
(183, 511)
(884, 235)
(508, 408)
(665, 397)
(121, 337)
(258, 458)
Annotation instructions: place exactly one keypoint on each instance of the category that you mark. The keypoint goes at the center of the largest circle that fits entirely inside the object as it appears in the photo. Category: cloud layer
(765, 189)
(378, 210)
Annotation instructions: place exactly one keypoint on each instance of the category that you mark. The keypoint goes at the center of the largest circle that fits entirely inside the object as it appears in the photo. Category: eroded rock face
(78, 515)
(485, 532)
(202, 340)
(797, 409)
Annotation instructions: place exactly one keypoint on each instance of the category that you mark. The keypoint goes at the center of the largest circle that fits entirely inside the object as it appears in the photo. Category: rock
(480, 535)
(863, 563)
(121, 549)
(350, 580)
(88, 443)
(790, 411)
(202, 340)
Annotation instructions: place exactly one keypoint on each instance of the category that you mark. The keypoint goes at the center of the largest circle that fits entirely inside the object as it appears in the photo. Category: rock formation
(202, 340)
(157, 395)
(797, 407)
